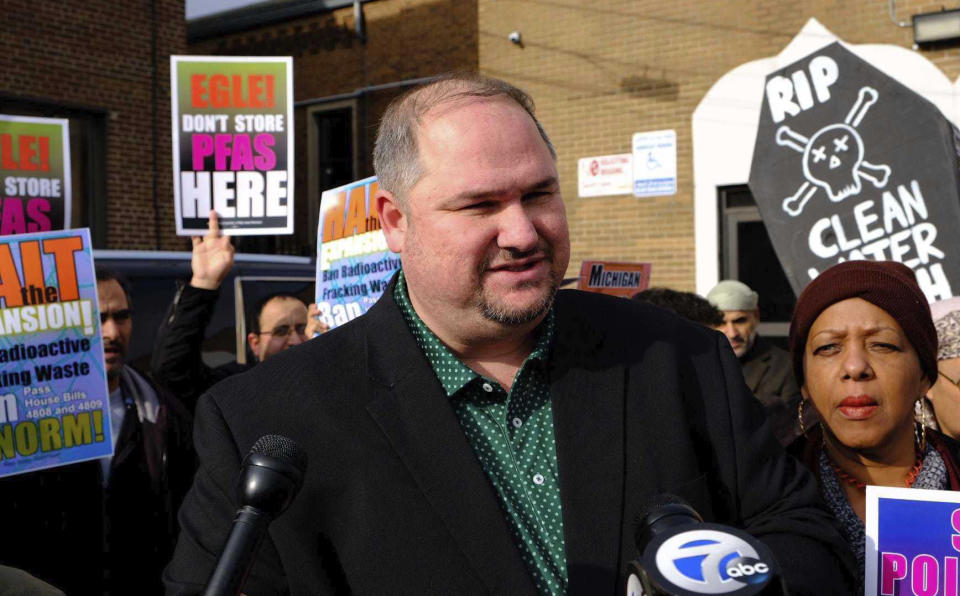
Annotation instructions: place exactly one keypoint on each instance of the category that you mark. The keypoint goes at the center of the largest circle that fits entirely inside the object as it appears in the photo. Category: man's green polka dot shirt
(512, 437)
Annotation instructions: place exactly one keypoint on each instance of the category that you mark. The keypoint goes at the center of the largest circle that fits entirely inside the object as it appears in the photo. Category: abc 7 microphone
(270, 477)
(680, 555)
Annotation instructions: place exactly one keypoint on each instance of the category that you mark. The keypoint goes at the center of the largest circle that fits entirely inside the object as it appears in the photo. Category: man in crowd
(767, 369)
(688, 305)
(276, 322)
(475, 431)
(107, 526)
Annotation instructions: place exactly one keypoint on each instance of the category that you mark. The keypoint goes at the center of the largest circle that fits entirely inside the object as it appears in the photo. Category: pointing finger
(213, 225)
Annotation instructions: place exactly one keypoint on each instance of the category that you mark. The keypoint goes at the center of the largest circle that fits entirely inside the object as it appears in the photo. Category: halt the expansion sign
(850, 164)
(232, 143)
(354, 264)
(615, 279)
(34, 174)
(54, 405)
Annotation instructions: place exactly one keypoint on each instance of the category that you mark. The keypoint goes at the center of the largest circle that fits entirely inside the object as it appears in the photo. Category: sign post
(850, 164)
(614, 279)
(605, 175)
(912, 541)
(35, 195)
(232, 143)
(54, 404)
(655, 163)
(354, 264)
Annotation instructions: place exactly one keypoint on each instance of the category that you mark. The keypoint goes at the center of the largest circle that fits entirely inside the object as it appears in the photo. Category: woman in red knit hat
(864, 350)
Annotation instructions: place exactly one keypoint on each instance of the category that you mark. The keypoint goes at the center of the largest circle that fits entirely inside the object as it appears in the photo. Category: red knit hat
(889, 285)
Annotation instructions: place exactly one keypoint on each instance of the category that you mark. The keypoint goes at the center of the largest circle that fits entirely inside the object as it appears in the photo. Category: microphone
(680, 555)
(270, 477)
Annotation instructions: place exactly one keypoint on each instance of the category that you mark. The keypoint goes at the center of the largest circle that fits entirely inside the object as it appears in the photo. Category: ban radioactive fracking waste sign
(850, 164)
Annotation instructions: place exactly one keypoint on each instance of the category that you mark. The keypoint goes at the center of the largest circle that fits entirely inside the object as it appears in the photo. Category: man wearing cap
(766, 367)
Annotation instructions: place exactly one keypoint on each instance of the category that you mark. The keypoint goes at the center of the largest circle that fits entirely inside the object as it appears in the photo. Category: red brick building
(599, 71)
(104, 66)
(345, 73)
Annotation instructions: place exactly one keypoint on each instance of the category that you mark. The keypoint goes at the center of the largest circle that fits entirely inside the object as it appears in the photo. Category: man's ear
(253, 340)
(393, 220)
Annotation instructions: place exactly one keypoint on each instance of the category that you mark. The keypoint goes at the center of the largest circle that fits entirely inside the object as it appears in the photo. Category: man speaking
(477, 432)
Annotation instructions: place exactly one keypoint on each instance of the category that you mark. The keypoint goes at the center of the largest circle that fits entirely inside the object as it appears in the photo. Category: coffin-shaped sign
(850, 164)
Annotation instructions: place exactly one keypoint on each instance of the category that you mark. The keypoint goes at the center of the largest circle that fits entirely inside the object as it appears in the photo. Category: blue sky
(202, 8)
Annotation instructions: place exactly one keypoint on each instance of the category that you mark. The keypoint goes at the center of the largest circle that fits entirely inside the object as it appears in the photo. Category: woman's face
(862, 375)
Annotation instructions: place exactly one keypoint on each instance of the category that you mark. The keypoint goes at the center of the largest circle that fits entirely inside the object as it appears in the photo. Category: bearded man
(476, 431)
(767, 368)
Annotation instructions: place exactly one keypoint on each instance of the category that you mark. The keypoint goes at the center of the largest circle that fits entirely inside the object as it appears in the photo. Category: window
(747, 254)
(334, 157)
(332, 144)
(330, 161)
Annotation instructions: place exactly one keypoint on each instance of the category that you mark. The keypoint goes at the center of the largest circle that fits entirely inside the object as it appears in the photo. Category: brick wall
(598, 70)
(602, 70)
(91, 55)
(97, 54)
(406, 39)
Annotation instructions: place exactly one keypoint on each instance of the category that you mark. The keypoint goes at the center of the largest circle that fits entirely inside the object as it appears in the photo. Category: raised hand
(314, 325)
(212, 256)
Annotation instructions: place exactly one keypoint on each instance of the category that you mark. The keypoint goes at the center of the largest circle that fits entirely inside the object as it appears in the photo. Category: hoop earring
(803, 429)
(921, 433)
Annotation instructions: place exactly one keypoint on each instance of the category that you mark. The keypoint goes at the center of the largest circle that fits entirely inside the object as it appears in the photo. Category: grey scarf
(932, 476)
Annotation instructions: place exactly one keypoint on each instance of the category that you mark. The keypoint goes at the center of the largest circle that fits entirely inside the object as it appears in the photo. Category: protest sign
(35, 194)
(913, 542)
(850, 164)
(232, 143)
(54, 405)
(353, 261)
(614, 279)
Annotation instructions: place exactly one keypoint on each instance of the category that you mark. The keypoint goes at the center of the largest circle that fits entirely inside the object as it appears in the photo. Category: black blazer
(396, 502)
(768, 373)
(65, 527)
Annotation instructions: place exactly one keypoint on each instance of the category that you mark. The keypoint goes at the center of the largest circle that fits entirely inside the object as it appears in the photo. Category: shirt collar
(453, 374)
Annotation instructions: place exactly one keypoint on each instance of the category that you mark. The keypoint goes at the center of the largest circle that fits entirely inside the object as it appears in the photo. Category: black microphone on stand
(680, 555)
(270, 477)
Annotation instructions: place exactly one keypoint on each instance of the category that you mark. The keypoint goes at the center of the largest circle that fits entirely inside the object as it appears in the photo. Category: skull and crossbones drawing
(833, 158)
